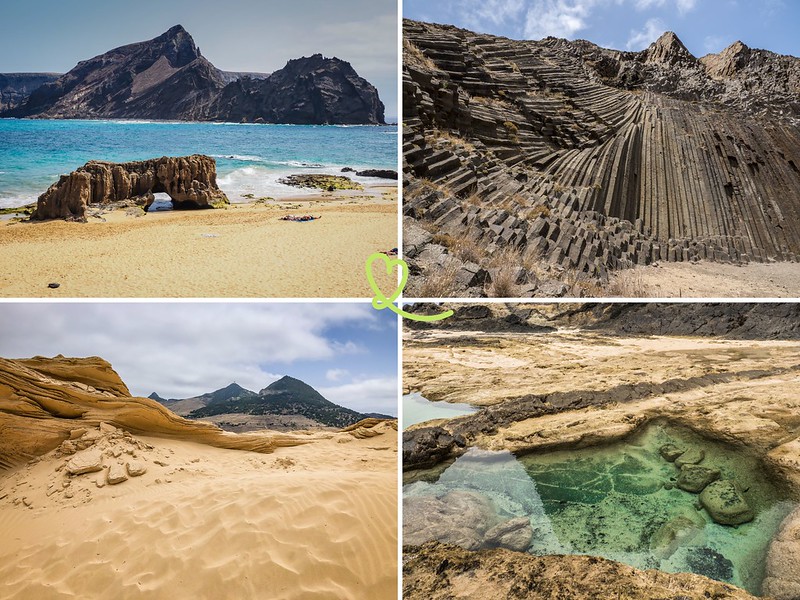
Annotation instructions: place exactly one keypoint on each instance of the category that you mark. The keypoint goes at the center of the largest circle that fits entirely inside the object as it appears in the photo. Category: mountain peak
(668, 49)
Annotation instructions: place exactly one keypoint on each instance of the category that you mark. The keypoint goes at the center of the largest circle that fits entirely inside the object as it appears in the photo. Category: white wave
(241, 157)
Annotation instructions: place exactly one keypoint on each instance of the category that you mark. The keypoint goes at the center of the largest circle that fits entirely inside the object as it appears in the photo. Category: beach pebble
(53, 285)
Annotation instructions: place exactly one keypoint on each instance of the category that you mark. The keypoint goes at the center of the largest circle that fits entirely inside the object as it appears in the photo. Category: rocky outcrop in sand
(45, 403)
(571, 157)
(190, 181)
(437, 571)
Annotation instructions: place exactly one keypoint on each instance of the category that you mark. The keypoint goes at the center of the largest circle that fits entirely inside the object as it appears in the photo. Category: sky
(235, 35)
(704, 26)
(346, 351)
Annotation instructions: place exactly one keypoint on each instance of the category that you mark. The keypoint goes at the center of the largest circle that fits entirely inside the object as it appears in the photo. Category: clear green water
(417, 408)
(611, 501)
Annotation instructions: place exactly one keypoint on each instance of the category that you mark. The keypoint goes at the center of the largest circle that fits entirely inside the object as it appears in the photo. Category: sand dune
(91, 509)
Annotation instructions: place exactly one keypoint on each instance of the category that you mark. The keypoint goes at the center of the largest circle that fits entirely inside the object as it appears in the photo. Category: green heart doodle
(380, 301)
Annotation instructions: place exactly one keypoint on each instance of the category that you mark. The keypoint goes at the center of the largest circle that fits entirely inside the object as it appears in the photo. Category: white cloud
(646, 4)
(336, 374)
(714, 43)
(184, 349)
(535, 19)
(639, 40)
(367, 395)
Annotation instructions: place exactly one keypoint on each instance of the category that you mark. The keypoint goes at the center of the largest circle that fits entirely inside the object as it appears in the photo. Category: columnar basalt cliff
(585, 159)
(190, 181)
(168, 78)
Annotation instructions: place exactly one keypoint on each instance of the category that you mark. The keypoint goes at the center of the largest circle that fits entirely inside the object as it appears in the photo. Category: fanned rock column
(190, 181)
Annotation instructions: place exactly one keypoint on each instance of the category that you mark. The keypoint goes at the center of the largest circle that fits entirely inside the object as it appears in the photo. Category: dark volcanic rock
(425, 447)
(583, 160)
(191, 182)
(168, 78)
(311, 90)
(380, 173)
(16, 87)
(287, 396)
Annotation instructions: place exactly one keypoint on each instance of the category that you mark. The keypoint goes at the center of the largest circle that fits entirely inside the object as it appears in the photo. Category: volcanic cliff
(561, 156)
(168, 78)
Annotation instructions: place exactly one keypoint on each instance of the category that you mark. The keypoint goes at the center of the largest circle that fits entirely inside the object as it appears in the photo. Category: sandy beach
(242, 251)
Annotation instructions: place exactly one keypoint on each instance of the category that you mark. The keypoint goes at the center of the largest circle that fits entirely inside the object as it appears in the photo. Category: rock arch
(190, 181)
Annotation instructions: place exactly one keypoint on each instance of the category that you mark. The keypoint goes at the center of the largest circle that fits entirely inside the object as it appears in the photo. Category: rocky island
(167, 78)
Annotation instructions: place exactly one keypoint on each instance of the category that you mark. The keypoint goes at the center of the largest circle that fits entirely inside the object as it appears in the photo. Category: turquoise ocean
(250, 158)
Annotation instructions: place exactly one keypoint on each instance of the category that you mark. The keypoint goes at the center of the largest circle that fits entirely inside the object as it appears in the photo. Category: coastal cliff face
(167, 78)
(190, 181)
(307, 90)
(16, 87)
(569, 156)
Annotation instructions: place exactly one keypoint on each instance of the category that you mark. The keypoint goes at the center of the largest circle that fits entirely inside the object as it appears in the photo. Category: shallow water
(611, 501)
(417, 408)
(250, 158)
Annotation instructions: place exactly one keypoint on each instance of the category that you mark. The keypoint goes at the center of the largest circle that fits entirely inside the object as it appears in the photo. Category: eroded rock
(86, 461)
(725, 503)
(190, 181)
(694, 478)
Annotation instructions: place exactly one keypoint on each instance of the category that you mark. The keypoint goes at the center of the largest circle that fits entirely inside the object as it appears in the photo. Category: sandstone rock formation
(168, 78)
(190, 181)
(560, 156)
(782, 577)
(46, 403)
(437, 571)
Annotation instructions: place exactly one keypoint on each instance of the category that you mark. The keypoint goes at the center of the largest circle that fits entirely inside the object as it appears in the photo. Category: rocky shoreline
(740, 397)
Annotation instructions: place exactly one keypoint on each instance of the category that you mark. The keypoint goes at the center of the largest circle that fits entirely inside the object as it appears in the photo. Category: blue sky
(235, 35)
(704, 26)
(347, 351)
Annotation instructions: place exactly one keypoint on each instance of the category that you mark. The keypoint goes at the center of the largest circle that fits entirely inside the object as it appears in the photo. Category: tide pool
(617, 501)
(250, 158)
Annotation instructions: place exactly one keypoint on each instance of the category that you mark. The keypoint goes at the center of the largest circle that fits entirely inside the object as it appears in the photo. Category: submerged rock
(707, 561)
(670, 452)
(725, 503)
(694, 478)
(674, 533)
(460, 518)
(190, 181)
(692, 456)
(514, 534)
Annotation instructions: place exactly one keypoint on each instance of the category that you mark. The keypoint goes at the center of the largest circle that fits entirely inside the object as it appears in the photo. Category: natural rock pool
(417, 408)
(620, 501)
